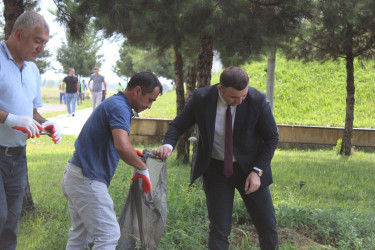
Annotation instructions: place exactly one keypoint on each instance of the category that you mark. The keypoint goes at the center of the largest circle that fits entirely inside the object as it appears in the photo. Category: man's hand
(25, 124)
(252, 183)
(144, 175)
(163, 152)
(54, 129)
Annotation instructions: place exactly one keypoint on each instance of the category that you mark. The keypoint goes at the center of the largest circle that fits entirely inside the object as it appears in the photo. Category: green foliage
(338, 146)
(341, 28)
(335, 207)
(82, 55)
(133, 60)
(310, 93)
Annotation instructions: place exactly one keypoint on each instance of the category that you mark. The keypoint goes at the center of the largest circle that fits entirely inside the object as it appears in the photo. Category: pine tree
(340, 29)
(81, 54)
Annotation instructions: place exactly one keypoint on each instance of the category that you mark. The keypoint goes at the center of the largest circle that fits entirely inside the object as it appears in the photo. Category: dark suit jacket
(255, 134)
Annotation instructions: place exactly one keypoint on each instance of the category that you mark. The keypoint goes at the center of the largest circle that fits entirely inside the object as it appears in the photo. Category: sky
(109, 50)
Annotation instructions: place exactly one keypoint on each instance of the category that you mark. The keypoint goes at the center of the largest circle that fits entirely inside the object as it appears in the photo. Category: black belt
(9, 151)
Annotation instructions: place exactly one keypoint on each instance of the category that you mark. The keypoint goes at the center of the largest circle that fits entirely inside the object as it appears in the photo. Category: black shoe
(73, 114)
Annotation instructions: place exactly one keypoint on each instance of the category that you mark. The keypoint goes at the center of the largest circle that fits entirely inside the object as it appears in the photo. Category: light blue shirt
(19, 94)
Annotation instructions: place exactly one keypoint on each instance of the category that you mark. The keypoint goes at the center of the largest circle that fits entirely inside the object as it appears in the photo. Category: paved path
(68, 125)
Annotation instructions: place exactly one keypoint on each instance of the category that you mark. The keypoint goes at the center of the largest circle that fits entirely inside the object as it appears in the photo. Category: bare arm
(3, 115)
(37, 117)
(125, 149)
(63, 87)
(88, 84)
(78, 86)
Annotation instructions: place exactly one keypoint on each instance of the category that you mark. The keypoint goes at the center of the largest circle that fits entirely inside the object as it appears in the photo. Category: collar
(221, 99)
(6, 50)
(8, 55)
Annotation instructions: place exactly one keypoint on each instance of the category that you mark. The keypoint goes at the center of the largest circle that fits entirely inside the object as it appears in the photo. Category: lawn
(305, 93)
(334, 209)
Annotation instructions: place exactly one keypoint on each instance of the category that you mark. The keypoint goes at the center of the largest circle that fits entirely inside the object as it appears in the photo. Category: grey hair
(29, 20)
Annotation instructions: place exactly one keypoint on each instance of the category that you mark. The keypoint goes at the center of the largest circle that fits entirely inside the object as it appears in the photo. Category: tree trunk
(12, 10)
(346, 145)
(271, 63)
(183, 143)
(191, 81)
(205, 60)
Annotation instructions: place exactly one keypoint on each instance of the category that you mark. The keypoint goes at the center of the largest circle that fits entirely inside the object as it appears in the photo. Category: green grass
(52, 95)
(305, 94)
(336, 206)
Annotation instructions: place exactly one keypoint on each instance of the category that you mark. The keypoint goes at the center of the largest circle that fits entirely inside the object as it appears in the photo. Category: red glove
(25, 124)
(139, 153)
(54, 129)
(144, 175)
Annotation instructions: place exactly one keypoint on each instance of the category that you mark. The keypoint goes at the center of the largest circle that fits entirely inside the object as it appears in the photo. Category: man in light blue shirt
(19, 119)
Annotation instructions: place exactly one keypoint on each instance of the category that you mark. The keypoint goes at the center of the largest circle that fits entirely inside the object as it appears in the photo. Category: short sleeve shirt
(19, 94)
(71, 84)
(97, 82)
(94, 151)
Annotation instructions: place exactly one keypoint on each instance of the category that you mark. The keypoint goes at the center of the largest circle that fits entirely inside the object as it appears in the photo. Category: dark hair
(234, 77)
(147, 80)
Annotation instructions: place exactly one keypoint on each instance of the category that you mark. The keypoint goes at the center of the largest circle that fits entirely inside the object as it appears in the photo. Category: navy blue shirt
(94, 151)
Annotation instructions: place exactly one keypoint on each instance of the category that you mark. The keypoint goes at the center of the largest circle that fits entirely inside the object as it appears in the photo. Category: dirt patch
(286, 236)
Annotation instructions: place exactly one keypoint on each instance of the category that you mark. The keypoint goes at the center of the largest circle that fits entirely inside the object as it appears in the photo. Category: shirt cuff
(169, 146)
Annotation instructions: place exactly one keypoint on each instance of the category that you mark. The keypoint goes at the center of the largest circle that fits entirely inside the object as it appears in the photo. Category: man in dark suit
(249, 146)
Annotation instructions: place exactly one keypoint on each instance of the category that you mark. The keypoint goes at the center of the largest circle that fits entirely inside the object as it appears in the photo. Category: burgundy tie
(228, 150)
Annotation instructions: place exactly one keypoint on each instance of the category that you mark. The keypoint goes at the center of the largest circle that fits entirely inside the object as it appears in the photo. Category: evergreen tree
(133, 59)
(340, 29)
(81, 54)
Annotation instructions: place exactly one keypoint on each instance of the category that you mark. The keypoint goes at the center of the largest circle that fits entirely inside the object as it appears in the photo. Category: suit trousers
(220, 195)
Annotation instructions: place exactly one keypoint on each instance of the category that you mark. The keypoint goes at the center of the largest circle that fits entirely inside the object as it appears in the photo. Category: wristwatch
(258, 171)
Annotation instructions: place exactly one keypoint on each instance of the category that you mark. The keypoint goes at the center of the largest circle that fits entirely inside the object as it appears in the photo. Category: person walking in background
(62, 93)
(102, 142)
(120, 87)
(79, 98)
(96, 90)
(229, 159)
(72, 85)
(84, 85)
(104, 92)
(19, 119)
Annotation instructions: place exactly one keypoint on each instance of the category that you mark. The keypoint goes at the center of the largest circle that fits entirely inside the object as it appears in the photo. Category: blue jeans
(62, 96)
(12, 186)
(71, 99)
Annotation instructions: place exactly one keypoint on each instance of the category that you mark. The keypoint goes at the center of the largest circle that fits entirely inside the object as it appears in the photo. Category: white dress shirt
(219, 136)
